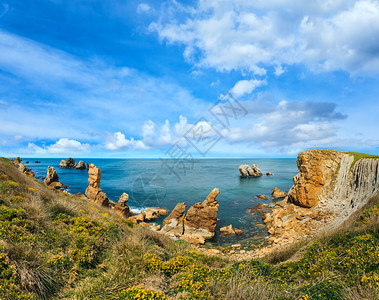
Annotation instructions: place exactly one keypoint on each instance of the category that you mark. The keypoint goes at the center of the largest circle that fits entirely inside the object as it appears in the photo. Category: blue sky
(133, 78)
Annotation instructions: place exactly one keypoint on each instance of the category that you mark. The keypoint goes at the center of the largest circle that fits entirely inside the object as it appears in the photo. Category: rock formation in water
(276, 193)
(330, 186)
(69, 163)
(229, 230)
(246, 170)
(93, 191)
(173, 225)
(52, 179)
(121, 207)
(198, 224)
(263, 197)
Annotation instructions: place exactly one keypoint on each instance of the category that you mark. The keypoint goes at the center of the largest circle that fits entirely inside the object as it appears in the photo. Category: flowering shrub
(85, 225)
(16, 199)
(139, 293)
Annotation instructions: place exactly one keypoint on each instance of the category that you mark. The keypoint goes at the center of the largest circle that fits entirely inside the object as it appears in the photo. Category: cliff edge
(330, 186)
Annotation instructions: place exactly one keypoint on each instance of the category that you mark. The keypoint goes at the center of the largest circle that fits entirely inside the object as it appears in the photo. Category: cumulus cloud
(253, 35)
(117, 141)
(244, 87)
(287, 124)
(63, 145)
(160, 136)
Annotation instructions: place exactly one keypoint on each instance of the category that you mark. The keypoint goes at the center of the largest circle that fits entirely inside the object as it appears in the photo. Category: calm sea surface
(149, 183)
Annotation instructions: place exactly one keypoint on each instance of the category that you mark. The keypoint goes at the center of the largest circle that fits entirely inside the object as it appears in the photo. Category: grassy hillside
(56, 246)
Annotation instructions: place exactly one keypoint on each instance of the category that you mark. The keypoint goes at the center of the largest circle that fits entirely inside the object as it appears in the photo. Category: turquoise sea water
(150, 183)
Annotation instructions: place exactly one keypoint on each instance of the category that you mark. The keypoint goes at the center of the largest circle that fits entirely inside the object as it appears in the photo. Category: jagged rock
(94, 176)
(201, 218)
(81, 196)
(80, 165)
(37, 162)
(68, 163)
(121, 207)
(153, 213)
(254, 172)
(138, 218)
(327, 190)
(57, 185)
(268, 173)
(24, 169)
(229, 230)
(242, 169)
(93, 191)
(174, 224)
(156, 228)
(51, 176)
(276, 193)
(87, 166)
(246, 170)
(262, 197)
(17, 160)
(197, 225)
(316, 169)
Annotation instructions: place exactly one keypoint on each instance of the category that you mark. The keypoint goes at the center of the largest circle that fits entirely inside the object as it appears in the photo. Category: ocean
(151, 183)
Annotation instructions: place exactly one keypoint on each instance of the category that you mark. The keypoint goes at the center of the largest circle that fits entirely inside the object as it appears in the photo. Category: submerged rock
(262, 197)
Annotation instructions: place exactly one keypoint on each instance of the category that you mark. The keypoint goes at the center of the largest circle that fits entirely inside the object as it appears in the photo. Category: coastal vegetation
(54, 245)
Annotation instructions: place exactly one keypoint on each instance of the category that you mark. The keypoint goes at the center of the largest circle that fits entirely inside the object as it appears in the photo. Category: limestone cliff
(330, 186)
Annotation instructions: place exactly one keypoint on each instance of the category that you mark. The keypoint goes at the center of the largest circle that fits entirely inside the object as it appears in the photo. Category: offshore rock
(246, 170)
(51, 176)
(229, 230)
(68, 163)
(121, 207)
(173, 225)
(93, 191)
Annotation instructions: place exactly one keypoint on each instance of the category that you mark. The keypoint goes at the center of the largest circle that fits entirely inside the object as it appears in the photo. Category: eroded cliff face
(327, 190)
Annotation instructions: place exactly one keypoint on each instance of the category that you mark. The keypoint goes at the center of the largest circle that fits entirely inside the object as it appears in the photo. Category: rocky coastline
(330, 186)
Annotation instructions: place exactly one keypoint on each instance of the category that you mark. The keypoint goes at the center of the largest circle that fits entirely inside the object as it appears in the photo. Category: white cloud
(63, 145)
(253, 35)
(286, 125)
(244, 87)
(143, 8)
(117, 141)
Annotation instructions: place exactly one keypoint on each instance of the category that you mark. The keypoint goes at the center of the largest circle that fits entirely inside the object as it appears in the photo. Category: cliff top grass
(56, 246)
(358, 156)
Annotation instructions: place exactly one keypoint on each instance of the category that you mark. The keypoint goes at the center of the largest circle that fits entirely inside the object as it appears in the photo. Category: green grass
(5, 160)
(358, 156)
(56, 246)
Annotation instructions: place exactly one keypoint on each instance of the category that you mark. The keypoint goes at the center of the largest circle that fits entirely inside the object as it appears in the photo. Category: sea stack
(93, 191)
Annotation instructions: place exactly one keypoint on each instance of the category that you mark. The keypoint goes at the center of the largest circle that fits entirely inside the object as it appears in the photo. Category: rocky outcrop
(121, 207)
(93, 191)
(246, 170)
(327, 190)
(263, 197)
(51, 176)
(154, 213)
(268, 173)
(52, 180)
(276, 193)
(69, 163)
(198, 224)
(80, 165)
(229, 230)
(173, 225)
(22, 168)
